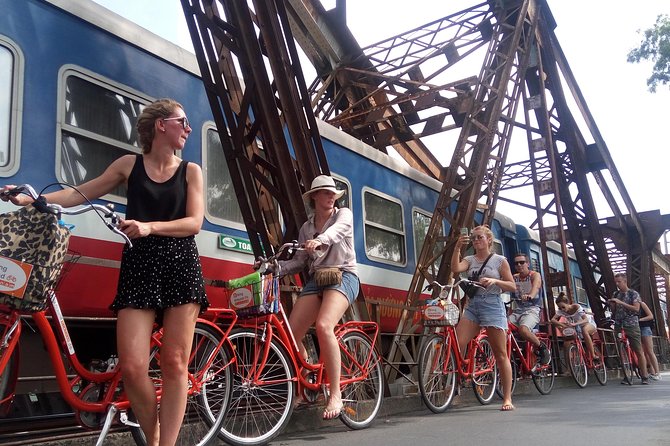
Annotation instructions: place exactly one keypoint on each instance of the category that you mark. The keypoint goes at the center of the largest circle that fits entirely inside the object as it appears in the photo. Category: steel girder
(234, 40)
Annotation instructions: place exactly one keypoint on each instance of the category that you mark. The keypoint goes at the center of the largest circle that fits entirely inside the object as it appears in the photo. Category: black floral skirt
(160, 272)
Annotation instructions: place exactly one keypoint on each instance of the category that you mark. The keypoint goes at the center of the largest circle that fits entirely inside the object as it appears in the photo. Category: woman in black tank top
(161, 276)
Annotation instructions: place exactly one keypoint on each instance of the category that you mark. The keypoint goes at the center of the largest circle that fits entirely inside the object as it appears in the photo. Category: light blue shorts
(349, 287)
(645, 331)
(487, 311)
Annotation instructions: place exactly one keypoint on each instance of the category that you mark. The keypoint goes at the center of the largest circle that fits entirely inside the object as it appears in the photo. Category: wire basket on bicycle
(253, 295)
(441, 311)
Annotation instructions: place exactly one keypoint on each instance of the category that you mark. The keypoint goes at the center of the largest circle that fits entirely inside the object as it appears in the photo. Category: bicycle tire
(625, 362)
(515, 376)
(577, 366)
(599, 367)
(544, 376)
(258, 412)
(438, 376)
(362, 399)
(485, 372)
(205, 410)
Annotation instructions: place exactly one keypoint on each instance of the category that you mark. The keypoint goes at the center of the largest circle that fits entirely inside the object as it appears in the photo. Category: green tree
(655, 47)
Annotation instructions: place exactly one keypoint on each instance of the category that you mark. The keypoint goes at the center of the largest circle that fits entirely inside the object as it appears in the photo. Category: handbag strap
(484, 264)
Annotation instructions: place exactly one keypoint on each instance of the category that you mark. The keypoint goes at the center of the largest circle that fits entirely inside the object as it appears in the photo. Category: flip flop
(331, 414)
(507, 407)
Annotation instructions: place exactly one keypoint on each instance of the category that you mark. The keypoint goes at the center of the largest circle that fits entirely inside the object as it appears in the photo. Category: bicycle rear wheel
(485, 372)
(262, 400)
(437, 373)
(362, 398)
(599, 368)
(577, 365)
(545, 375)
(206, 406)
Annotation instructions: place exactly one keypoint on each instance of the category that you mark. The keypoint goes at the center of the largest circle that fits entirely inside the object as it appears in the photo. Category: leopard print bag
(33, 245)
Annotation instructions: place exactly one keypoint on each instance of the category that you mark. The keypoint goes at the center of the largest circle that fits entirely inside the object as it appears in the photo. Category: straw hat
(323, 182)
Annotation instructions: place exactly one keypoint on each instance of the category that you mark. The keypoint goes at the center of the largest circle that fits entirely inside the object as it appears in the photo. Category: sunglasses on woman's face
(520, 262)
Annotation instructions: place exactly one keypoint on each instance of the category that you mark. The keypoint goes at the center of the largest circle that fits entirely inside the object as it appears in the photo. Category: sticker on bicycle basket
(241, 298)
(14, 276)
(434, 312)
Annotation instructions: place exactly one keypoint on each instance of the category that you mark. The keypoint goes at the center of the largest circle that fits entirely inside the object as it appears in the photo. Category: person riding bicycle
(625, 304)
(486, 309)
(574, 318)
(526, 314)
(333, 284)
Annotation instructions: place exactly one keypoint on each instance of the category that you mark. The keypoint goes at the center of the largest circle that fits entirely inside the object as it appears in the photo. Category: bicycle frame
(465, 364)
(277, 325)
(523, 355)
(59, 342)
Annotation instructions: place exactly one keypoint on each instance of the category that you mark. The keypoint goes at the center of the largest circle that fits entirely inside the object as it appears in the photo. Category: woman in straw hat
(328, 236)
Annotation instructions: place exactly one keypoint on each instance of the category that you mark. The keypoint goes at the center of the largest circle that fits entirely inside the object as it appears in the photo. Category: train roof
(129, 31)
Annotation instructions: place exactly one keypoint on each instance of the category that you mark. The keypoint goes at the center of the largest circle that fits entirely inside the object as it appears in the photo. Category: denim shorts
(487, 311)
(349, 287)
(645, 331)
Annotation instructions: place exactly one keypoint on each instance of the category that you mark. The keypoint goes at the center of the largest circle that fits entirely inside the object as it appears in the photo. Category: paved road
(612, 415)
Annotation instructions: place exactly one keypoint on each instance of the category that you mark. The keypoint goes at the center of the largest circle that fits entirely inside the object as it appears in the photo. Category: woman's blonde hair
(146, 122)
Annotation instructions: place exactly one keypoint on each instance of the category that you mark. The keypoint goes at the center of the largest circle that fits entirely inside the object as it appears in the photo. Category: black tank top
(152, 201)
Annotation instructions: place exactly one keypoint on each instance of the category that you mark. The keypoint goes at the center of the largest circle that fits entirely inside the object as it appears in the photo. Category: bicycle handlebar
(445, 289)
(271, 264)
(104, 212)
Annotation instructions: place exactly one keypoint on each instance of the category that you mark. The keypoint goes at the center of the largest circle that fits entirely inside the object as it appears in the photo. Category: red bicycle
(580, 362)
(269, 366)
(525, 363)
(627, 357)
(442, 367)
(96, 394)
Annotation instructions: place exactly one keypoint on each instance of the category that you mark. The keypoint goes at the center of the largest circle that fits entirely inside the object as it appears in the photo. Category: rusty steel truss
(491, 79)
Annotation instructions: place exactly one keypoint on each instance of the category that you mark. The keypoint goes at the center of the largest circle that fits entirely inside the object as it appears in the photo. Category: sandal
(507, 407)
(331, 414)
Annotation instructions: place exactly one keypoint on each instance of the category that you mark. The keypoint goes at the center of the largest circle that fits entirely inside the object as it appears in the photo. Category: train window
(580, 292)
(97, 127)
(345, 200)
(421, 222)
(383, 229)
(221, 199)
(11, 82)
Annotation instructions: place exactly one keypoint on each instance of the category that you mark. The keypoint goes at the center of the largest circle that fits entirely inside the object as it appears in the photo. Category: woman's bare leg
(133, 338)
(178, 328)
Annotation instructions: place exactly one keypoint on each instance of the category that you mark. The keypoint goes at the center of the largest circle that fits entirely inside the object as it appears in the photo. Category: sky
(595, 37)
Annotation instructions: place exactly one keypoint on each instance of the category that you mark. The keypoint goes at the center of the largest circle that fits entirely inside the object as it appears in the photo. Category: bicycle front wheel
(577, 365)
(263, 388)
(515, 376)
(599, 368)
(485, 371)
(545, 375)
(362, 398)
(625, 361)
(208, 396)
(437, 373)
